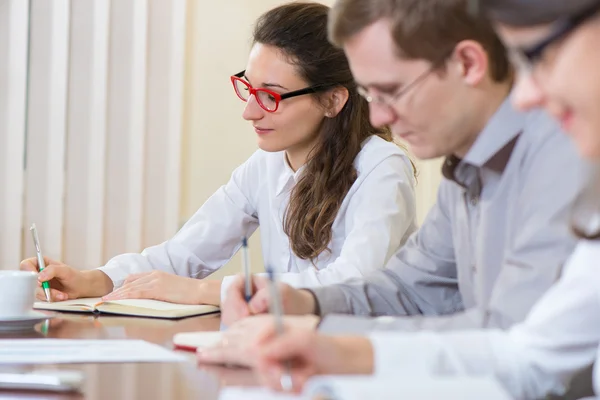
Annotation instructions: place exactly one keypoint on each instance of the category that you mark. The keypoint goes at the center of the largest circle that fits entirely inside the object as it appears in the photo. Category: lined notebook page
(155, 304)
(90, 301)
(87, 302)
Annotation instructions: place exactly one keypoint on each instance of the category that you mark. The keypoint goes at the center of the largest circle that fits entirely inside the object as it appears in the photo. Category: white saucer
(23, 322)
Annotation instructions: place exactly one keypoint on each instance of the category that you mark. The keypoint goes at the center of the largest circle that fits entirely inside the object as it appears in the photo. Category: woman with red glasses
(332, 195)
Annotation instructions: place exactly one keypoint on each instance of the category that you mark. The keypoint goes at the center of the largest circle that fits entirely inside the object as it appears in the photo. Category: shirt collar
(495, 143)
(287, 175)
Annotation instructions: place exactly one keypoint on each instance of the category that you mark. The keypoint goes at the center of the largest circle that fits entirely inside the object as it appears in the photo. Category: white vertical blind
(14, 16)
(90, 141)
(46, 122)
(126, 117)
(86, 133)
(166, 48)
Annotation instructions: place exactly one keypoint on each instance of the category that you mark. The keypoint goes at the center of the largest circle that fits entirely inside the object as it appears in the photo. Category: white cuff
(403, 353)
(225, 283)
(116, 275)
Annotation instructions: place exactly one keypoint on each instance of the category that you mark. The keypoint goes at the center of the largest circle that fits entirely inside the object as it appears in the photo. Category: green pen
(40, 258)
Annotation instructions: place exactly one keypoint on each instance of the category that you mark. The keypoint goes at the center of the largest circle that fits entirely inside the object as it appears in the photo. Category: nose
(528, 93)
(381, 115)
(253, 111)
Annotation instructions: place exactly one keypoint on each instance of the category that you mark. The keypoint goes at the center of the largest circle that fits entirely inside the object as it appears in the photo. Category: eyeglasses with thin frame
(391, 99)
(267, 99)
(526, 59)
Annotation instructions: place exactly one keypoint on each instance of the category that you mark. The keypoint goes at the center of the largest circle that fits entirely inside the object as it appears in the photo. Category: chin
(590, 153)
(269, 146)
(425, 153)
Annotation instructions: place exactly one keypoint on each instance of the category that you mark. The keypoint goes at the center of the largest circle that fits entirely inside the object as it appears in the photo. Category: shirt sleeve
(380, 216)
(418, 282)
(207, 241)
(539, 356)
(419, 279)
(543, 240)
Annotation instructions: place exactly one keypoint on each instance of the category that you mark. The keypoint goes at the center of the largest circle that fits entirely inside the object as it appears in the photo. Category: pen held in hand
(40, 259)
(246, 270)
(276, 308)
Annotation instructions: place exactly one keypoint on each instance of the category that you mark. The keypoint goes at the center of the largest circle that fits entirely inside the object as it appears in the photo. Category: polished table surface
(184, 380)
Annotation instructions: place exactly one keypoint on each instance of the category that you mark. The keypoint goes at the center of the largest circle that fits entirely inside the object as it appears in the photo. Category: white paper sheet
(54, 351)
(413, 387)
(198, 340)
(366, 387)
(255, 393)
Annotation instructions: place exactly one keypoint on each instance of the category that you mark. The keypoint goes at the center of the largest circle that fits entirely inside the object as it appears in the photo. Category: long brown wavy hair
(299, 30)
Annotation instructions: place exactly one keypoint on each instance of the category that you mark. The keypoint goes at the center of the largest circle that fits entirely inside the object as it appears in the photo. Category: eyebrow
(267, 84)
(382, 87)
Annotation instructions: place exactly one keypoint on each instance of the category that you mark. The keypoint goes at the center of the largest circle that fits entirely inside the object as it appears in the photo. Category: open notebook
(134, 307)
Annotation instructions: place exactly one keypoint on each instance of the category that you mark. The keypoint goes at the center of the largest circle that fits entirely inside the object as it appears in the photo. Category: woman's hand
(159, 285)
(67, 282)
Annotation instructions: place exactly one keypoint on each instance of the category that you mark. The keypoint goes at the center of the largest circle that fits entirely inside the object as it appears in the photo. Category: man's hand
(235, 308)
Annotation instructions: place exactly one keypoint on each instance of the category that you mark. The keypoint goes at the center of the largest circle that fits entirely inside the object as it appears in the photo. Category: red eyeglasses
(267, 99)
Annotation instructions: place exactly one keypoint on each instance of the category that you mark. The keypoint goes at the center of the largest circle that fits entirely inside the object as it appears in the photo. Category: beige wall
(216, 138)
(428, 181)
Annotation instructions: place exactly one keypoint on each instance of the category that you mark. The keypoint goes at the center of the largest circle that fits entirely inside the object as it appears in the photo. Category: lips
(262, 131)
(405, 135)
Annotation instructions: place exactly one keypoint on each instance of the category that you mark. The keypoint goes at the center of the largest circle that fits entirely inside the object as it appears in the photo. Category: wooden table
(135, 380)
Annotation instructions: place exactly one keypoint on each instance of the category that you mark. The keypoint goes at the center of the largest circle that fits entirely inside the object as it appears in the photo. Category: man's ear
(336, 100)
(472, 61)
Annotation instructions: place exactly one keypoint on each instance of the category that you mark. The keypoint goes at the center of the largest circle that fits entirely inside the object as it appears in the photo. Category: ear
(472, 61)
(336, 100)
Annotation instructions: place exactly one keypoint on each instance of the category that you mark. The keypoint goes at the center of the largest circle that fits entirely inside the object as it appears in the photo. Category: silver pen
(246, 270)
(276, 308)
(40, 259)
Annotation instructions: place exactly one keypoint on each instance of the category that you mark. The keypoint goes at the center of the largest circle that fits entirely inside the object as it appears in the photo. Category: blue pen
(246, 270)
(276, 308)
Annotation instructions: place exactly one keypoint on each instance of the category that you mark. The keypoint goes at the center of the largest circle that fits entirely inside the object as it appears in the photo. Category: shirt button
(474, 200)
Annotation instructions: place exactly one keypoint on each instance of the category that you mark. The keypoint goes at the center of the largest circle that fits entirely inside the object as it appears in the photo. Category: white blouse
(375, 218)
(559, 337)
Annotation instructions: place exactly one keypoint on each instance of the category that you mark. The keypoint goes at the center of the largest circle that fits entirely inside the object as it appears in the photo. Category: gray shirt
(492, 245)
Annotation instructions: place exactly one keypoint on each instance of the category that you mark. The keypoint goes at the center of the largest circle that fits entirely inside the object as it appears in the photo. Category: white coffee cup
(17, 293)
